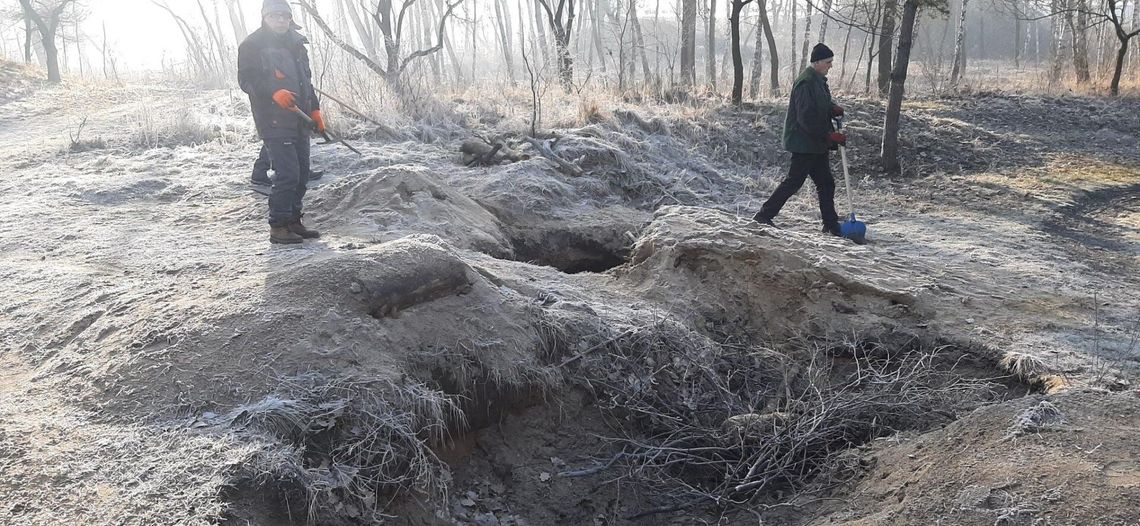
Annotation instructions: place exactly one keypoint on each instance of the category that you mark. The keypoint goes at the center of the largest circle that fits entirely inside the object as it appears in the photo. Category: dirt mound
(389, 203)
(360, 312)
(18, 80)
(1067, 459)
(730, 271)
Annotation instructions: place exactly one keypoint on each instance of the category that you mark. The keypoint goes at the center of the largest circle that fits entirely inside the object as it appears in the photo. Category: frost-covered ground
(142, 301)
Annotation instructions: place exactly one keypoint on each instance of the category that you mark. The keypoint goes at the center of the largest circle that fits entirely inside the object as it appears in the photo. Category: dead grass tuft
(183, 128)
(347, 446)
(1024, 367)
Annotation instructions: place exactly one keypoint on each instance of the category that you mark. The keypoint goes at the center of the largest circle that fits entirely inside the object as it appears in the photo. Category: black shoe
(833, 230)
(763, 220)
(316, 174)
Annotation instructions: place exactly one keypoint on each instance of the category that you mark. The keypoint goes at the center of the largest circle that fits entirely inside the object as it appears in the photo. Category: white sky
(140, 32)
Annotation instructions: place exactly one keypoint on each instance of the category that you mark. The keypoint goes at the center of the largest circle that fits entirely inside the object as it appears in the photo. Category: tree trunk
(540, 30)
(639, 41)
(456, 63)
(367, 36)
(237, 21)
(47, 29)
(794, 58)
(886, 41)
(1124, 37)
(27, 39)
(806, 45)
(1080, 41)
(1121, 53)
(956, 70)
(212, 32)
(561, 19)
(823, 22)
(1058, 46)
(710, 68)
(596, 18)
(1016, 41)
(890, 149)
(843, 60)
(688, 42)
(757, 58)
(51, 54)
(773, 54)
(737, 60)
(503, 20)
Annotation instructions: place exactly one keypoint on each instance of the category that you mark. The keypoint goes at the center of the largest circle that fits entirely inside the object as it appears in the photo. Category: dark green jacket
(809, 114)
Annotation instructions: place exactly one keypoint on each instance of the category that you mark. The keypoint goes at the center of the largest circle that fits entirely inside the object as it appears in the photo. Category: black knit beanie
(821, 52)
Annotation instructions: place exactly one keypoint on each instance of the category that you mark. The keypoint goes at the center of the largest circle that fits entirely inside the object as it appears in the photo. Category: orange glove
(837, 138)
(318, 120)
(285, 98)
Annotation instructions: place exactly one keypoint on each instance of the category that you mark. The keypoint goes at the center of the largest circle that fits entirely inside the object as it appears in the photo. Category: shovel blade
(854, 230)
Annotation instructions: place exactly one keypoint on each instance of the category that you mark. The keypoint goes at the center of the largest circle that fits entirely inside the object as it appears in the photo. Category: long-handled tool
(852, 228)
(327, 135)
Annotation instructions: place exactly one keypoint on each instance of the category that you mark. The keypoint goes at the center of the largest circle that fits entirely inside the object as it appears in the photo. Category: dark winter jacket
(268, 62)
(809, 114)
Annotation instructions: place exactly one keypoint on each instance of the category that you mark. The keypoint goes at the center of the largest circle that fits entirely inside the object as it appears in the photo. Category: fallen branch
(596, 347)
(544, 150)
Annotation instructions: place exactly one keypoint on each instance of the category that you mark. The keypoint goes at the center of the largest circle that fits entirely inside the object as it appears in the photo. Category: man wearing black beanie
(808, 135)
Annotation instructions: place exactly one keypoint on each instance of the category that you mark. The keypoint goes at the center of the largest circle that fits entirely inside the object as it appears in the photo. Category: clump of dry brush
(339, 449)
(729, 424)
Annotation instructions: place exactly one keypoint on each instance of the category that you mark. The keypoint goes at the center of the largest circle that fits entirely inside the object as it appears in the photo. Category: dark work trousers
(290, 158)
(816, 166)
(261, 166)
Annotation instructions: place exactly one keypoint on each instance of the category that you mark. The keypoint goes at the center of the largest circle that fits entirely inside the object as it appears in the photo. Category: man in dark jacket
(273, 68)
(808, 135)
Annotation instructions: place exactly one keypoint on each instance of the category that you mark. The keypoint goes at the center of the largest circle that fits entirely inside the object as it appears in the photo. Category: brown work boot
(297, 228)
(282, 235)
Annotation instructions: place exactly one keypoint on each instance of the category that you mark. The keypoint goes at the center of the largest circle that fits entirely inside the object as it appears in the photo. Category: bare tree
(502, 17)
(823, 22)
(773, 54)
(1115, 15)
(561, 19)
(959, 66)
(688, 42)
(237, 20)
(886, 43)
(804, 53)
(639, 40)
(757, 57)
(710, 52)
(1058, 48)
(737, 60)
(1078, 28)
(46, 15)
(204, 62)
(890, 148)
(391, 23)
